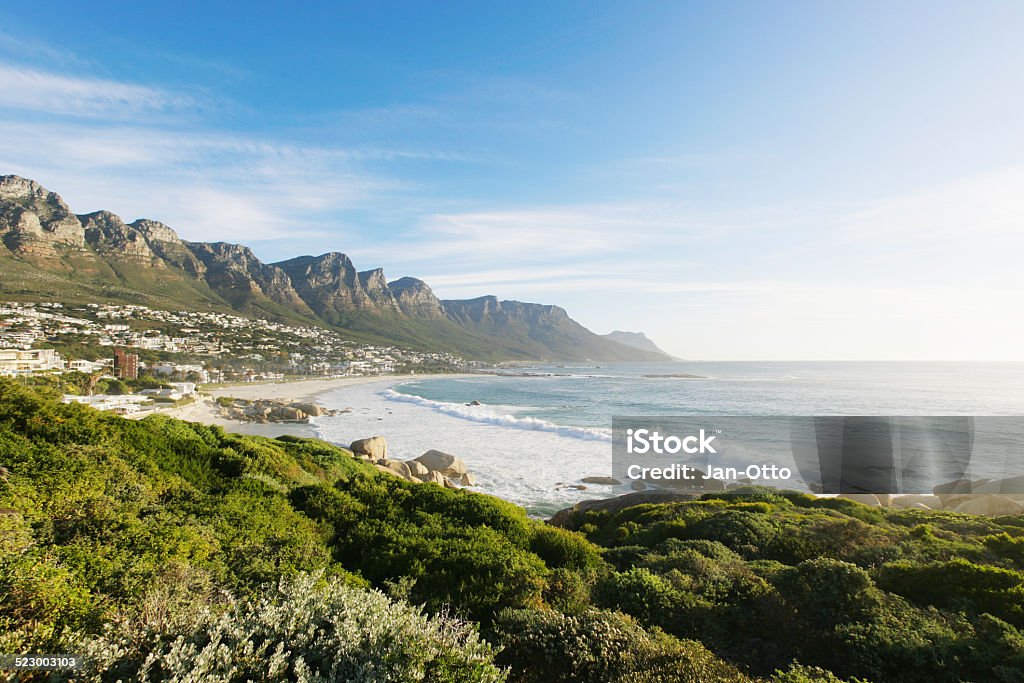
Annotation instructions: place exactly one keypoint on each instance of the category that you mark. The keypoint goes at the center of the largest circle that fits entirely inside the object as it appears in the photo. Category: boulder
(468, 480)
(448, 465)
(417, 469)
(638, 485)
(994, 506)
(397, 466)
(603, 481)
(288, 413)
(375, 447)
(435, 477)
(449, 484)
(311, 409)
(387, 470)
(951, 500)
(912, 501)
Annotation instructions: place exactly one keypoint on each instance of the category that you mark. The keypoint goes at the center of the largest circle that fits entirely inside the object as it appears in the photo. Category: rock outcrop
(446, 464)
(603, 481)
(415, 299)
(35, 221)
(234, 272)
(432, 467)
(330, 285)
(374, 447)
(108, 235)
(269, 410)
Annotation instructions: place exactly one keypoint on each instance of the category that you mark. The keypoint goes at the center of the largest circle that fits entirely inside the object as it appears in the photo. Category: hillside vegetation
(165, 550)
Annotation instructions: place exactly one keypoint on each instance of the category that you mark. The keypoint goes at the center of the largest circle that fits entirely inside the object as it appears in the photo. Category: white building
(184, 388)
(87, 366)
(171, 394)
(125, 404)
(21, 361)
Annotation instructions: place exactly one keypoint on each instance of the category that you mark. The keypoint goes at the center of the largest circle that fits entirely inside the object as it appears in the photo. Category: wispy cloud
(138, 150)
(207, 187)
(33, 90)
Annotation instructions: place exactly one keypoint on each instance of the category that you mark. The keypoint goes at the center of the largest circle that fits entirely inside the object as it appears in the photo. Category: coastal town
(154, 356)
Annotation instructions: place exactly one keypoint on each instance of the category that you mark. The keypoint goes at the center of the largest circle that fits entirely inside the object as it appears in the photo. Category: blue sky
(798, 180)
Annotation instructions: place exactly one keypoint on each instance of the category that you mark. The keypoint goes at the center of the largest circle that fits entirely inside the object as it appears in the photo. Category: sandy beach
(205, 409)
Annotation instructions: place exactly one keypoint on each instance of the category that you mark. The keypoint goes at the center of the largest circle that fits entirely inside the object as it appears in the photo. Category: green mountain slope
(49, 253)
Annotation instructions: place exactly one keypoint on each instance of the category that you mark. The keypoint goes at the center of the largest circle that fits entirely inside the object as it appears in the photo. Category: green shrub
(568, 590)
(561, 548)
(647, 596)
(740, 531)
(958, 584)
(797, 673)
(824, 591)
(302, 629)
(851, 509)
(599, 647)
(1004, 545)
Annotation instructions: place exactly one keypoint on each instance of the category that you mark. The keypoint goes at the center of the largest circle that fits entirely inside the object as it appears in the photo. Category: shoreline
(205, 410)
(497, 472)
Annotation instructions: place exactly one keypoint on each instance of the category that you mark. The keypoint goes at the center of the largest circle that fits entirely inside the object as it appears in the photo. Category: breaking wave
(487, 415)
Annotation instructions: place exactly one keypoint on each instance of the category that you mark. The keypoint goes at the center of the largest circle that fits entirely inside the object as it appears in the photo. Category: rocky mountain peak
(403, 284)
(35, 221)
(373, 280)
(636, 340)
(225, 249)
(15, 187)
(332, 263)
(415, 298)
(107, 233)
(155, 231)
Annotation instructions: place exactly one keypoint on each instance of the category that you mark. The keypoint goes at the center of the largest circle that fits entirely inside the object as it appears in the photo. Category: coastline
(206, 411)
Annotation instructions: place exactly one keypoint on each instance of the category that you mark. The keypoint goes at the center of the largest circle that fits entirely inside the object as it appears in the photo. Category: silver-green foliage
(306, 629)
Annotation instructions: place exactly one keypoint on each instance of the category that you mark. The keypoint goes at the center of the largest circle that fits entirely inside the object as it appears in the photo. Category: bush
(741, 531)
(826, 591)
(797, 673)
(647, 596)
(561, 548)
(958, 584)
(302, 629)
(599, 647)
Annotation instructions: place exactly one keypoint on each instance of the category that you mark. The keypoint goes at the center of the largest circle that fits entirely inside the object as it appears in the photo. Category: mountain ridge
(49, 251)
(637, 340)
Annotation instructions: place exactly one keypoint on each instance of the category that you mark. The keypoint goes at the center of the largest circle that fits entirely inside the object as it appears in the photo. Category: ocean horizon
(540, 428)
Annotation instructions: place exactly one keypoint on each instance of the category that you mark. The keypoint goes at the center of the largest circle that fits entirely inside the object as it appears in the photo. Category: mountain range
(49, 253)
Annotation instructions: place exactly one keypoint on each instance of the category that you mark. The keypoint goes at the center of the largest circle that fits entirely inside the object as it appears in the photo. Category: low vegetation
(166, 550)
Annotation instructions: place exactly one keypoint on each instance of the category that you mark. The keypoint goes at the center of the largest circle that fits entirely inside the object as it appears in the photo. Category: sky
(742, 180)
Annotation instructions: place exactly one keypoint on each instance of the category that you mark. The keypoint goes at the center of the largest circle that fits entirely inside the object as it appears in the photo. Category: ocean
(539, 429)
